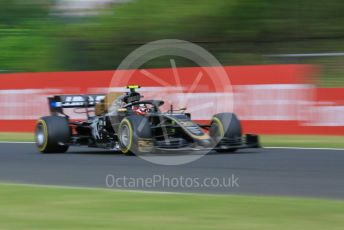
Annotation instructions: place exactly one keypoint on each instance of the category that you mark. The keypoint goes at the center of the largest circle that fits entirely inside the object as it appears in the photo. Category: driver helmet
(141, 110)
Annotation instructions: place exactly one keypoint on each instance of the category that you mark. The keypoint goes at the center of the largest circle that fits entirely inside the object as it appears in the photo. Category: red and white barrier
(269, 99)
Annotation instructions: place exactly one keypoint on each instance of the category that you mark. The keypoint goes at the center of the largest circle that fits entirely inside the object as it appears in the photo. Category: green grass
(303, 141)
(30, 207)
(16, 137)
(266, 140)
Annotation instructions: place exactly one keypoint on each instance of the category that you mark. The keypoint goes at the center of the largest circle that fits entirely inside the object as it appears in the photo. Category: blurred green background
(55, 35)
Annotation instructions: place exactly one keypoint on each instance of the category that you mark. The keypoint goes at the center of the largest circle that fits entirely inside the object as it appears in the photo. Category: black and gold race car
(131, 125)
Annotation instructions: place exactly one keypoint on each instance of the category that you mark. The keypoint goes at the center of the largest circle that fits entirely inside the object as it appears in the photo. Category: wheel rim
(125, 138)
(40, 136)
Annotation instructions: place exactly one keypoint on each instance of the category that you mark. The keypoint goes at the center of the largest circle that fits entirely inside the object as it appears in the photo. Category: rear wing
(59, 102)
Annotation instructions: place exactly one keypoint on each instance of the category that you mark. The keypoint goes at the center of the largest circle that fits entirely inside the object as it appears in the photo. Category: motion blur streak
(266, 104)
(59, 35)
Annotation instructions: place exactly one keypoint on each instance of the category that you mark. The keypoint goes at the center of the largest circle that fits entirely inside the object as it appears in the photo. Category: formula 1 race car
(134, 126)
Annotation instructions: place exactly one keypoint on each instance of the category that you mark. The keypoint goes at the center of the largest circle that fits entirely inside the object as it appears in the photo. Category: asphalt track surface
(290, 172)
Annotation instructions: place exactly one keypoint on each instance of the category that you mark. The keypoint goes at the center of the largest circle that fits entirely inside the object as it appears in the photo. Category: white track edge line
(17, 142)
(277, 147)
(305, 148)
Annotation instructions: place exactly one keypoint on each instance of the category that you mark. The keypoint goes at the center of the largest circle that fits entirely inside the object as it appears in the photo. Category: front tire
(225, 125)
(135, 135)
(52, 133)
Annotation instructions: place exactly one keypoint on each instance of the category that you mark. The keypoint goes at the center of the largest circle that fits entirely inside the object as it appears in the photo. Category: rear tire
(52, 133)
(225, 125)
(131, 130)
